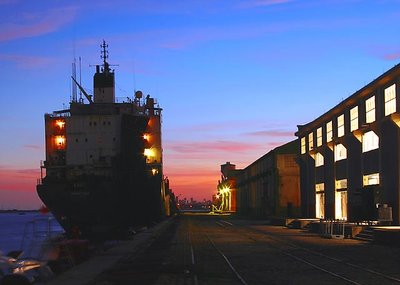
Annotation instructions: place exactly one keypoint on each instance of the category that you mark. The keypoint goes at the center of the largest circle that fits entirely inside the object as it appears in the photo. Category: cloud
(213, 146)
(198, 171)
(187, 37)
(37, 24)
(21, 180)
(272, 133)
(385, 51)
(35, 147)
(392, 56)
(262, 3)
(194, 167)
(26, 61)
(213, 126)
(223, 126)
(198, 182)
(18, 188)
(183, 38)
(6, 2)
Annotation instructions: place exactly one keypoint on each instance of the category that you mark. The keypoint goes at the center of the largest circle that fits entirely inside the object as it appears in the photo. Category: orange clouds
(198, 182)
(17, 188)
(211, 146)
(18, 179)
(194, 166)
(273, 133)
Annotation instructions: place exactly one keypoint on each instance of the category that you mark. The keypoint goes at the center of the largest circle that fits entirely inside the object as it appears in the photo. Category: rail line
(270, 238)
(191, 271)
(228, 262)
(205, 237)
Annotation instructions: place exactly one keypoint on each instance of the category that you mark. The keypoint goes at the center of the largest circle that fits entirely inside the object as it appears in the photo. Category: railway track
(199, 250)
(348, 273)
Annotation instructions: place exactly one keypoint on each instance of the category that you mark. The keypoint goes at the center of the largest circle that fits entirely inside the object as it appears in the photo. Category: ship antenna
(73, 95)
(104, 56)
(74, 91)
(80, 80)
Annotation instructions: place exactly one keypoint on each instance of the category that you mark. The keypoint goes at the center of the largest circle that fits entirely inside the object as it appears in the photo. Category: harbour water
(26, 230)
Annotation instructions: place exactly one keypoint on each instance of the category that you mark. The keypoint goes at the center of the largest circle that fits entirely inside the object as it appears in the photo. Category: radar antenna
(104, 57)
(104, 52)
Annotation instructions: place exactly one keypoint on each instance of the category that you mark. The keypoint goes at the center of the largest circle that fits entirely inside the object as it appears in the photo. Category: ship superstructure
(103, 170)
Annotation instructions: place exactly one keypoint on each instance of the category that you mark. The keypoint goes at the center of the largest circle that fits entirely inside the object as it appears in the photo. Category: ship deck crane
(88, 97)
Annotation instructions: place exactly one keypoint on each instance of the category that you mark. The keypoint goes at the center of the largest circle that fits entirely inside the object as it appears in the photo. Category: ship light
(60, 141)
(149, 152)
(146, 137)
(226, 190)
(60, 124)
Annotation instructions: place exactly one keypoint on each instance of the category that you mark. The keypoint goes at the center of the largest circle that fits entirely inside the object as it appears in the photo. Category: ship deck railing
(37, 233)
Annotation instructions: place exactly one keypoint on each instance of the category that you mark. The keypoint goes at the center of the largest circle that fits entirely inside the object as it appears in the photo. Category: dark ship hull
(103, 208)
(103, 173)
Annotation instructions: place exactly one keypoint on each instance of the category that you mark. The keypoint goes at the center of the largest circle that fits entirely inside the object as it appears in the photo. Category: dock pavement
(85, 272)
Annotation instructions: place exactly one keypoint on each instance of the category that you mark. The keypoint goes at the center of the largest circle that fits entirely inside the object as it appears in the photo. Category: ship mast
(103, 80)
(104, 56)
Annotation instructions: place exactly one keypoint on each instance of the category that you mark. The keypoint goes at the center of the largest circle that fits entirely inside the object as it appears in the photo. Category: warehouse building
(270, 186)
(349, 156)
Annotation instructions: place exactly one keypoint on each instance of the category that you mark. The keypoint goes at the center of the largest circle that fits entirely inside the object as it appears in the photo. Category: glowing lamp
(146, 137)
(60, 142)
(225, 190)
(148, 152)
(154, 171)
(60, 124)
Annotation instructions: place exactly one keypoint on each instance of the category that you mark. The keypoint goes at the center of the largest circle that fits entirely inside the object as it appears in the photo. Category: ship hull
(103, 208)
(103, 173)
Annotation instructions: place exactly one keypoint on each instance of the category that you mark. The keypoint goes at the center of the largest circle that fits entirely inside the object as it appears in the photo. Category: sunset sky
(234, 77)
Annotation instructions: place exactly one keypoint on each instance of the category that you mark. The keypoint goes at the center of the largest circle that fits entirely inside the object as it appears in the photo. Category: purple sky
(234, 77)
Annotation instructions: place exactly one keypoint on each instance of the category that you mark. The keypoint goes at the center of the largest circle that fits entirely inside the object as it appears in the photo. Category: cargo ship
(103, 172)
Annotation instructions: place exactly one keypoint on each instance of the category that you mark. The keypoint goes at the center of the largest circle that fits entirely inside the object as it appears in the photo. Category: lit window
(60, 124)
(371, 179)
(340, 126)
(319, 136)
(340, 152)
(59, 142)
(390, 100)
(370, 141)
(310, 141)
(370, 110)
(329, 134)
(319, 187)
(319, 201)
(148, 152)
(341, 205)
(319, 160)
(341, 184)
(354, 119)
(303, 145)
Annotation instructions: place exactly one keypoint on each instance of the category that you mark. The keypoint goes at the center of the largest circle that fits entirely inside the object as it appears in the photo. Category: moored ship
(103, 173)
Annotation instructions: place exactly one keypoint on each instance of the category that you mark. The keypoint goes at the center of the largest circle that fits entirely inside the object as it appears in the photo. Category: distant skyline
(234, 77)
